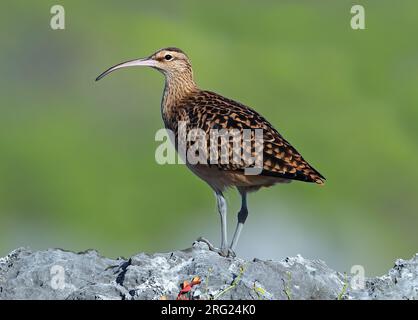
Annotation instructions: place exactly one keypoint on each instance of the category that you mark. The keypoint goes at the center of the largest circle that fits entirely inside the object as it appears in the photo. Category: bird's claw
(231, 253)
(224, 252)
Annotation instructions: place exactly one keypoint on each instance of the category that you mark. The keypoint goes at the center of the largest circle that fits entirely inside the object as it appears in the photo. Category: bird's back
(207, 110)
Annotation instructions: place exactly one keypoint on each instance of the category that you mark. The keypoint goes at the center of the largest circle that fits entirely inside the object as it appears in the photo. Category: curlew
(184, 102)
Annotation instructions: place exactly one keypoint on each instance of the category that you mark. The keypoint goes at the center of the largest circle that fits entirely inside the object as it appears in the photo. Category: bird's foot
(224, 252)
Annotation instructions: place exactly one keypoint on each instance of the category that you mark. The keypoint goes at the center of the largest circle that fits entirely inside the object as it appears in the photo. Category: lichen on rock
(60, 274)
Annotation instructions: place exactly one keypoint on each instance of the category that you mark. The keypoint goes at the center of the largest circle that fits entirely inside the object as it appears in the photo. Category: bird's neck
(177, 88)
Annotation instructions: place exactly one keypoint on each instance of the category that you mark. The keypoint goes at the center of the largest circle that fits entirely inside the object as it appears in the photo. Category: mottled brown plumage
(206, 110)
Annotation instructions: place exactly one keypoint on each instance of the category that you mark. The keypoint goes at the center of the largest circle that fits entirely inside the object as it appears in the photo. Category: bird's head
(172, 62)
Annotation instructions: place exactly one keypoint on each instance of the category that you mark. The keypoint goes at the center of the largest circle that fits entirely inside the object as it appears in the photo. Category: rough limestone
(60, 274)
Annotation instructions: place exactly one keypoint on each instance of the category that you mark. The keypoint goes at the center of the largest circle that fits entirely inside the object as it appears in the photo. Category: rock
(59, 274)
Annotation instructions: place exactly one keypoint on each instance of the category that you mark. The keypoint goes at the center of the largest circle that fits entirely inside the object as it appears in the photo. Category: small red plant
(186, 288)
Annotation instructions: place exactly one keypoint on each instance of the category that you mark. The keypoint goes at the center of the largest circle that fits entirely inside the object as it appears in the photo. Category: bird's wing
(208, 110)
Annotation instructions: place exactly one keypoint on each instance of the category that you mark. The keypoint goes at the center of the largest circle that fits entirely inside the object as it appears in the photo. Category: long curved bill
(147, 62)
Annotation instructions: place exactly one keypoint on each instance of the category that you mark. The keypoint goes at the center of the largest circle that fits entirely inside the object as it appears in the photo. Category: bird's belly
(223, 179)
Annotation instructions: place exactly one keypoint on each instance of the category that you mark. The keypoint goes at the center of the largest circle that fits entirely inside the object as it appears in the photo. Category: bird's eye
(168, 57)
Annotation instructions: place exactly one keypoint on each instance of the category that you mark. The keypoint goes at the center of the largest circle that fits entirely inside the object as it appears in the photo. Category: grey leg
(242, 216)
(223, 250)
(220, 201)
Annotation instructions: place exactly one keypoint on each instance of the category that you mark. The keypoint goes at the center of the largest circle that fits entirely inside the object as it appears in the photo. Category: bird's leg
(242, 216)
(223, 250)
(221, 203)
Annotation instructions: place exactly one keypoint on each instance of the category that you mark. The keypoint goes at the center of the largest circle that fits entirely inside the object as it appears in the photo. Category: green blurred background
(77, 166)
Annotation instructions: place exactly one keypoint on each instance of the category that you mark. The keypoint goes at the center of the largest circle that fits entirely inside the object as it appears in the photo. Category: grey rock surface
(59, 274)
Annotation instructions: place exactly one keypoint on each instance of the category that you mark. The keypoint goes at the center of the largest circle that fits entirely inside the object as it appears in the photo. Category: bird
(184, 102)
